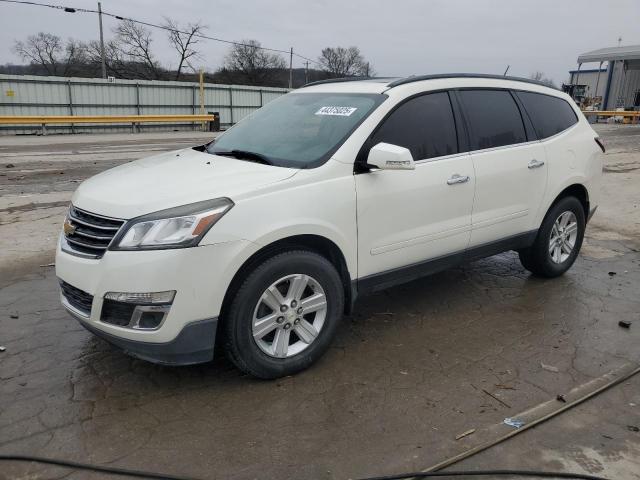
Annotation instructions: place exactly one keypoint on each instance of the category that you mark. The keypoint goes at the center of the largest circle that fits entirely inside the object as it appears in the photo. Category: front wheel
(558, 241)
(284, 315)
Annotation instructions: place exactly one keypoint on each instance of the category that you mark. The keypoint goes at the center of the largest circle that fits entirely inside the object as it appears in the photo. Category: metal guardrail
(46, 119)
(633, 116)
(134, 120)
(612, 113)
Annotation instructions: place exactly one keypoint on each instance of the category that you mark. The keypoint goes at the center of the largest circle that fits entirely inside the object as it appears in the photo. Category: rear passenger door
(509, 163)
(407, 217)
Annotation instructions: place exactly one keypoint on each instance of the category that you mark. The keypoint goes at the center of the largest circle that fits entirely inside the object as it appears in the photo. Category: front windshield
(299, 130)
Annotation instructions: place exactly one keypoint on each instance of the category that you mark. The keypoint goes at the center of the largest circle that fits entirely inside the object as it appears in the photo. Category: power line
(153, 25)
(141, 22)
(305, 58)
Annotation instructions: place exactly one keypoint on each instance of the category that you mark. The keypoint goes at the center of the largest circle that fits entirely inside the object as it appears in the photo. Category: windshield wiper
(245, 155)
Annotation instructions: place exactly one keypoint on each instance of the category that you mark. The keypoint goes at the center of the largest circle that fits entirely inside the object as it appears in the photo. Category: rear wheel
(284, 315)
(559, 240)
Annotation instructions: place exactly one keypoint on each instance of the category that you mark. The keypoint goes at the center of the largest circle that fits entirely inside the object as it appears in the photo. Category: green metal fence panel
(39, 95)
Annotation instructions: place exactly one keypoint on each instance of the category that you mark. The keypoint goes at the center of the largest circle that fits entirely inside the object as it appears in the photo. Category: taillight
(600, 143)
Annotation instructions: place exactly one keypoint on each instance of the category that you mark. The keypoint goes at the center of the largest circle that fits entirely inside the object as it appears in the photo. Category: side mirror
(386, 156)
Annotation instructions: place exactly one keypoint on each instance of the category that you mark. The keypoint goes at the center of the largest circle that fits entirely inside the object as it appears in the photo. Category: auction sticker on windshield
(339, 111)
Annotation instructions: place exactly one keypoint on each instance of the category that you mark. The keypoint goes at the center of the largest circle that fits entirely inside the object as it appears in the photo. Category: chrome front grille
(88, 234)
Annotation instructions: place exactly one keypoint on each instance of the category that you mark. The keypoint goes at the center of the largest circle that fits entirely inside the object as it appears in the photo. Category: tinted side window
(424, 125)
(494, 118)
(550, 115)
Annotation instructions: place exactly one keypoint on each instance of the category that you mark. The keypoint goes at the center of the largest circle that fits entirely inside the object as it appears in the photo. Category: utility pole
(306, 72)
(201, 85)
(201, 81)
(104, 63)
(291, 68)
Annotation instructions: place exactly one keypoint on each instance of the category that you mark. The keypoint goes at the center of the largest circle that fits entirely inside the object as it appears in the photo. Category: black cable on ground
(488, 473)
(400, 476)
(93, 468)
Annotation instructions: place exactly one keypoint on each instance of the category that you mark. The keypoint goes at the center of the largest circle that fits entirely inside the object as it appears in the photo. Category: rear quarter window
(549, 115)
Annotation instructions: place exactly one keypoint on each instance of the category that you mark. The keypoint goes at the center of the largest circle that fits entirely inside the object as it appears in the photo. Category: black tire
(537, 258)
(239, 342)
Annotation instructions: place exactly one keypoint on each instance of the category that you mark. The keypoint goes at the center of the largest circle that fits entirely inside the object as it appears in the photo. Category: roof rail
(418, 78)
(345, 79)
(394, 81)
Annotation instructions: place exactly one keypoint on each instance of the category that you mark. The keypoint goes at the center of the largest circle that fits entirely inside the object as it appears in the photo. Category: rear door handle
(535, 164)
(455, 178)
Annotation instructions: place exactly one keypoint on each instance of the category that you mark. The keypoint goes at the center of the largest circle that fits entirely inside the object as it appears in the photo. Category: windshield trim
(379, 98)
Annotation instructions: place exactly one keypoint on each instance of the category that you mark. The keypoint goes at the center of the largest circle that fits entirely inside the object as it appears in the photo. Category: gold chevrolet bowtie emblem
(67, 228)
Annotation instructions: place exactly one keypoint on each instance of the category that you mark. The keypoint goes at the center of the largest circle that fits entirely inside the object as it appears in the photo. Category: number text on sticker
(339, 111)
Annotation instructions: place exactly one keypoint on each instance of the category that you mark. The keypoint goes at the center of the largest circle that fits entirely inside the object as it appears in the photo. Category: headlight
(172, 228)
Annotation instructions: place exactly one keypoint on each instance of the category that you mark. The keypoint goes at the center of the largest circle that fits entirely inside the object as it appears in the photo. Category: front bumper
(199, 275)
(194, 344)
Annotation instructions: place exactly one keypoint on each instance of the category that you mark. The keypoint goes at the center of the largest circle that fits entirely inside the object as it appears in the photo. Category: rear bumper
(194, 344)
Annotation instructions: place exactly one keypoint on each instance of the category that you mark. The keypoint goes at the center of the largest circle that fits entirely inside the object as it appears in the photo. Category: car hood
(172, 179)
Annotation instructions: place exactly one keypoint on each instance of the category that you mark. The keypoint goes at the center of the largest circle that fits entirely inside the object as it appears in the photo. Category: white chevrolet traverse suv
(263, 238)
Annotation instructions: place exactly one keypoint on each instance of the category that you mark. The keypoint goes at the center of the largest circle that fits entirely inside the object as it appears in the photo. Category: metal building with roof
(620, 78)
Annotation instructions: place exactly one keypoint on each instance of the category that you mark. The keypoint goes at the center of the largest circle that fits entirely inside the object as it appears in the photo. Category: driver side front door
(410, 221)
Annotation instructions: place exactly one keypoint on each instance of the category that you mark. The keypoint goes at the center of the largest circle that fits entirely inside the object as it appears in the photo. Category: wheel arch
(577, 190)
(311, 242)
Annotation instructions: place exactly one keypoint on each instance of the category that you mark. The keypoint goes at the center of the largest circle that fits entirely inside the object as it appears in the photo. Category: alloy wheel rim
(564, 234)
(289, 315)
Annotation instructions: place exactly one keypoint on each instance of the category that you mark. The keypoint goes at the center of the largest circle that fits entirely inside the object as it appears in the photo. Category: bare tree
(75, 59)
(258, 66)
(183, 41)
(134, 41)
(344, 62)
(541, 77)
(42, 49)
(47, 51)
(115, 61)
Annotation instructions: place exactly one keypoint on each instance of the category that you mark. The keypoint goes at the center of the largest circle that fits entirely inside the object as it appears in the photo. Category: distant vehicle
(263, 238)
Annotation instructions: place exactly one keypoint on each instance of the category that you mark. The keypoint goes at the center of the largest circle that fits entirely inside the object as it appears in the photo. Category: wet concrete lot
(413, 368)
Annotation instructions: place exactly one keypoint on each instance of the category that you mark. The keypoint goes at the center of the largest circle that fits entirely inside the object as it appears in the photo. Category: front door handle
(455, 178)
(535, 164)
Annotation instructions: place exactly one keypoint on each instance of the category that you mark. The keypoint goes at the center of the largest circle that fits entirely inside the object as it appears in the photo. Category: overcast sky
(399, 37)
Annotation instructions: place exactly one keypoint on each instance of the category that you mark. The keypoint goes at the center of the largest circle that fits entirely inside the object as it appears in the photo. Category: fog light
(151, 298)
(150, 320)
(148, 317)
(140, 311)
